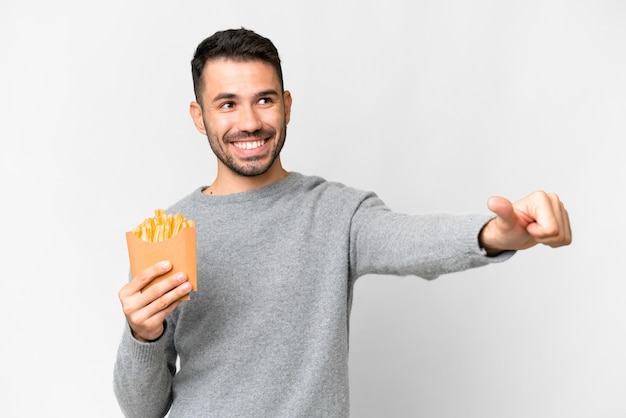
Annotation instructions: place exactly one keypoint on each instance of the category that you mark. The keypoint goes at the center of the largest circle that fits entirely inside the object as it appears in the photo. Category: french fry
(162, 226)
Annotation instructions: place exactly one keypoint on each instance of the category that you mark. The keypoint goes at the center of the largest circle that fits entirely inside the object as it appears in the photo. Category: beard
(251, 166)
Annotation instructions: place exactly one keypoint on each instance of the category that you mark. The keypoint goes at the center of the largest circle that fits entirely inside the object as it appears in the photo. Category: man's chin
(251, 171)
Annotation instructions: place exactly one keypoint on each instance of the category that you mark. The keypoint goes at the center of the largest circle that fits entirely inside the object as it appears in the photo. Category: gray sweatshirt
(266, 334)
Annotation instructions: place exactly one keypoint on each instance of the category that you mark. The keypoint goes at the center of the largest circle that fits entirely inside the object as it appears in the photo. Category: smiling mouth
(249, 145)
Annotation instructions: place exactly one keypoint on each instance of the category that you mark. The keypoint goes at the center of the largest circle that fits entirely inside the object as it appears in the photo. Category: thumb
(503, 208)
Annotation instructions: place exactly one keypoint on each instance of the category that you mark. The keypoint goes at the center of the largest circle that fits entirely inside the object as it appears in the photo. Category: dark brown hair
(233, 44)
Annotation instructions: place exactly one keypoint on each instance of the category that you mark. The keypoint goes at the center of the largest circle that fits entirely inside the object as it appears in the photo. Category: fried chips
(162, 226)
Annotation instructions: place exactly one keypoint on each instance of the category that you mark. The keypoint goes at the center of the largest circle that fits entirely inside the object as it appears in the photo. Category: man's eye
(227, 105)
(265, 100)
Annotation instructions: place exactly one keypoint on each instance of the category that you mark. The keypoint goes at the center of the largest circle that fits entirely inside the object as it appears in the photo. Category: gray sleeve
(386, 242)
(142, 375)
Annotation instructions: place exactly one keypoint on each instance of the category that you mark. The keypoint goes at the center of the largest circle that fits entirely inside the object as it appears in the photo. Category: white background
(435, 105)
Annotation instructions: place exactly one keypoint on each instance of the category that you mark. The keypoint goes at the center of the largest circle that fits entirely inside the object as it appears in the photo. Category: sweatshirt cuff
(479, 223)
(144, 351)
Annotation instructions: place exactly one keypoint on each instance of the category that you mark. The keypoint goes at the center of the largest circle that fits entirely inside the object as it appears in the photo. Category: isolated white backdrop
(435, 105)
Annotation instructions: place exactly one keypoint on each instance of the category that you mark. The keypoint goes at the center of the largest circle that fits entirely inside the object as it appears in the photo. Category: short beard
(247, 170)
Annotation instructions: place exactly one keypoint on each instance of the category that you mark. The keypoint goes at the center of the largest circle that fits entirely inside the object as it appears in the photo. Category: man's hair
(237, 45)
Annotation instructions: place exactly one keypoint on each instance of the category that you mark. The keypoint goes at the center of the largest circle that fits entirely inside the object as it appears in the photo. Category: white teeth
(248, 144)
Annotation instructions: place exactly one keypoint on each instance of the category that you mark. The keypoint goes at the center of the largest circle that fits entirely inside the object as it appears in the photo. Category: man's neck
(228, 182)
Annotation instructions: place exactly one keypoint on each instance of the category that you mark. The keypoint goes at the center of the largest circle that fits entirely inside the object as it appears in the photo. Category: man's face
(244, 114)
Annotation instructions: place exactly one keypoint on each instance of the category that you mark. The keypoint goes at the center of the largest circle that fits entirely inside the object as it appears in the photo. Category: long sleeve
(386, 242)
(142, 377)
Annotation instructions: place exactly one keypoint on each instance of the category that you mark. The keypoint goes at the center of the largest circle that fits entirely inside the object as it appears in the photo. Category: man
(266, 334)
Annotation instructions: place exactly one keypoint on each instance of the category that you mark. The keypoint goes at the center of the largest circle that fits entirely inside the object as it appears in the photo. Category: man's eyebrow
(269, 92)
(224, 96)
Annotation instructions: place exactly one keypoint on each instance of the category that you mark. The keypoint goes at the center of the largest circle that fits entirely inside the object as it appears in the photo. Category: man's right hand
(146, 310)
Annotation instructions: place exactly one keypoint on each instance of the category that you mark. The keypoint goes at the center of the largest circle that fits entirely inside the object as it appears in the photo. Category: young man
(266, 334)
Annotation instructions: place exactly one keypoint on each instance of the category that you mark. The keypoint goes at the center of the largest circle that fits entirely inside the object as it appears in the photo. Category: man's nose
(249, 119)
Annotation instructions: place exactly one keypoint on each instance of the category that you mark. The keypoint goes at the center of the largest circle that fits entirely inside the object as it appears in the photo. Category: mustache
(259, 133)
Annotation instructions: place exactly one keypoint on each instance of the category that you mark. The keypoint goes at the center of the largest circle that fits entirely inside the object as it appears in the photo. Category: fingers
(146, 308)
(161, 295)
(142, 279)
(550, 221)
(552, 225)
(147, 321)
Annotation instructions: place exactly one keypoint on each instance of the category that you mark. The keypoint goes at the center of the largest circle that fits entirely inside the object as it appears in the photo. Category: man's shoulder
(334, 190)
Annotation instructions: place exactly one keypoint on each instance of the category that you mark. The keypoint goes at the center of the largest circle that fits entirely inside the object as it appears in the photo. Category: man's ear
(287, 100)
(195, 110)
